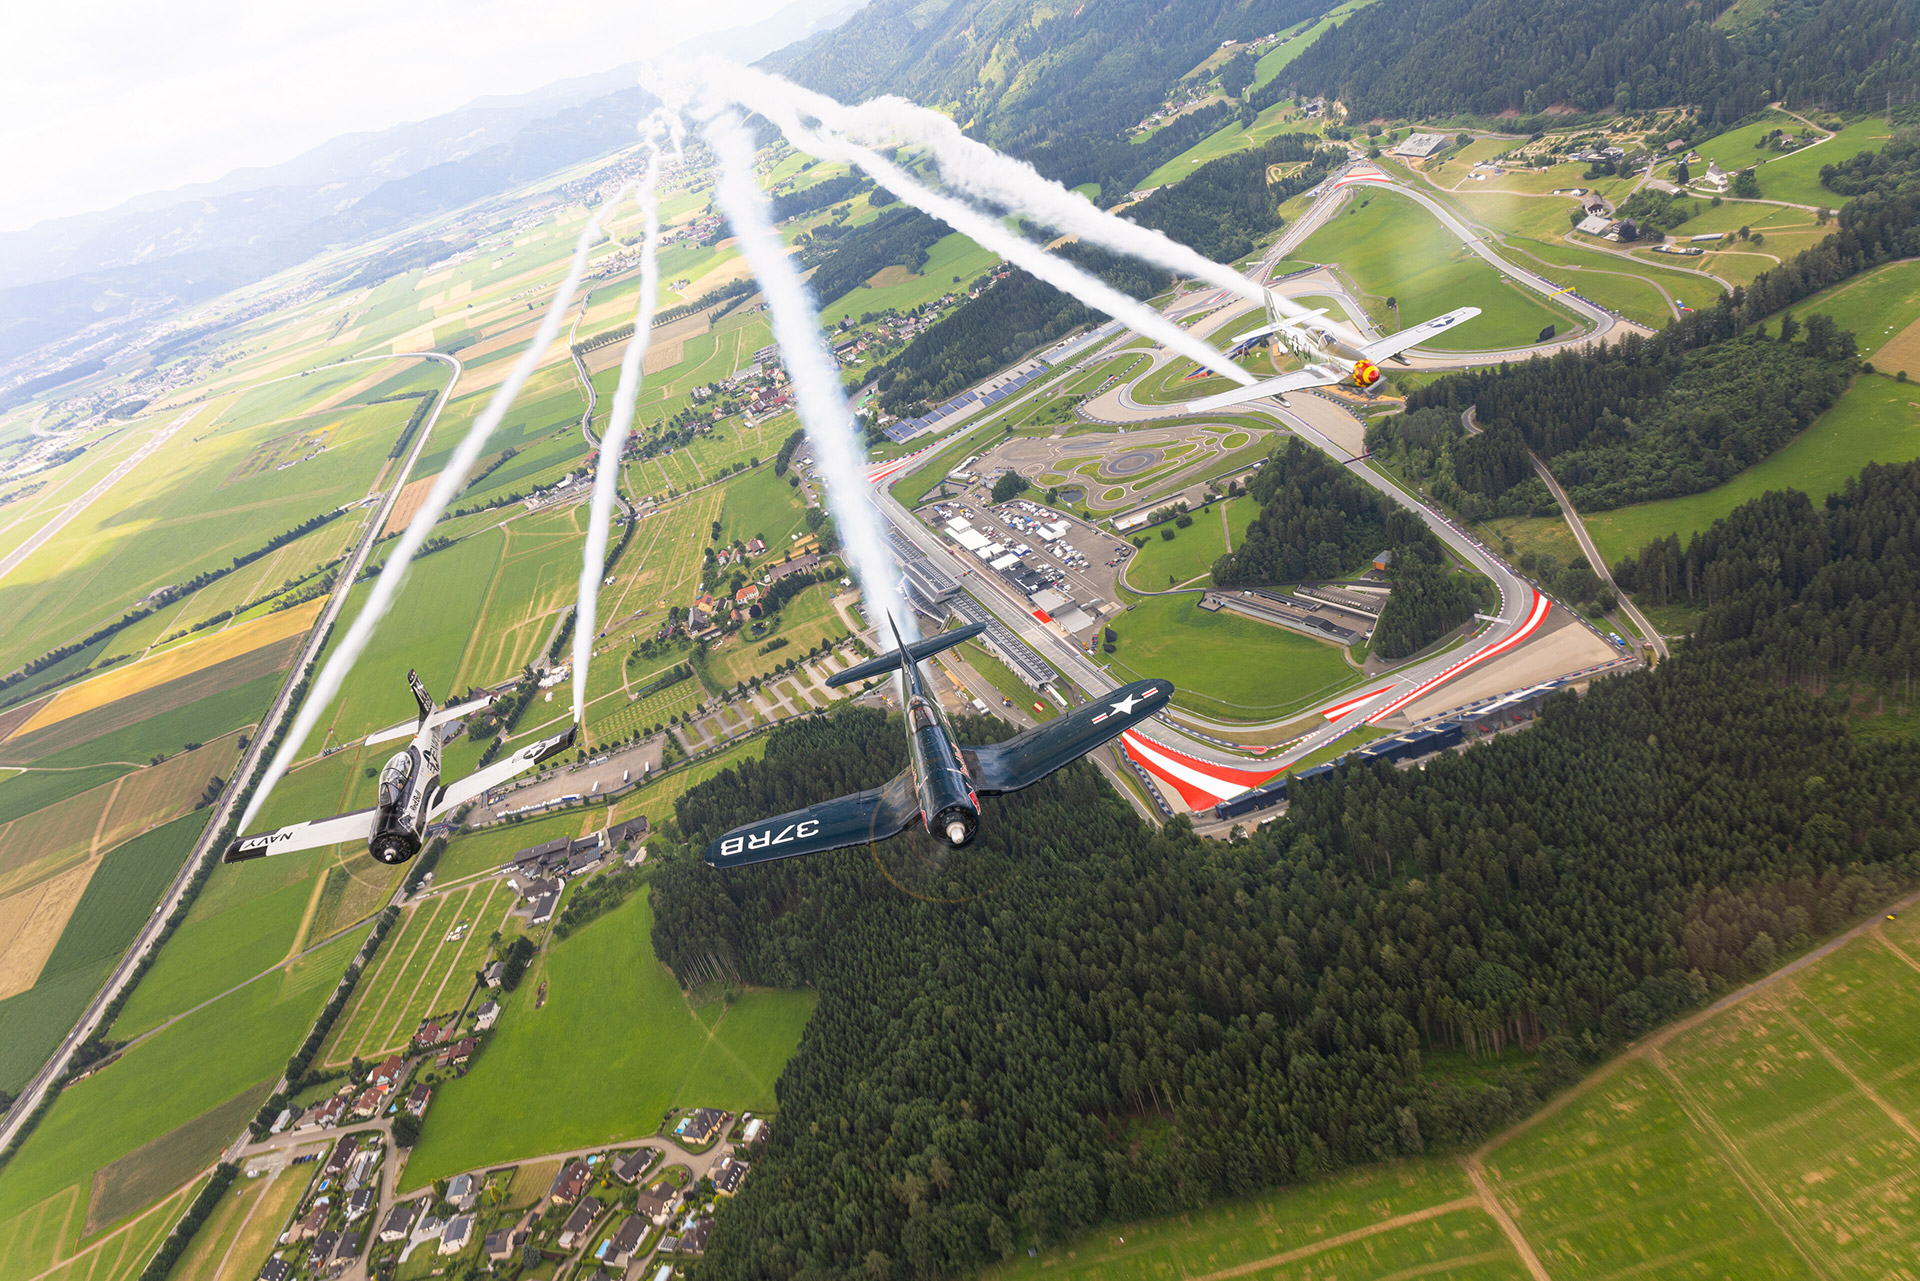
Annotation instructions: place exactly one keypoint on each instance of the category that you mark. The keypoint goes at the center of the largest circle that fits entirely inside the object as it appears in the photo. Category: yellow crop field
(182, 660)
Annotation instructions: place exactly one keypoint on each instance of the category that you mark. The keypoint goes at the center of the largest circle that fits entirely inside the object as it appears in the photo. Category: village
(619, 1212)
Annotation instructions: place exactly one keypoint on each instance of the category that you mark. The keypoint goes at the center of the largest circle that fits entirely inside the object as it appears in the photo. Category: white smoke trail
(823, 408)
(989, 233)
(334, 673)
(981, 171)
(614, 441)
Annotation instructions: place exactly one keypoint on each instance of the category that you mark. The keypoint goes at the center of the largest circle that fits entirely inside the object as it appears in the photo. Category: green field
(1279, 58)
(1795, 176)
(759, 504)
(1191, 553)
(189, 507)
(1877, 420)
(805, 621)
(1391, 247)
(200, 721)
(952, 255)
(25, 792)
(615, 1046)
(200, 1062)
(1403, 1219)
(1222, 664)
(117, 902)
(1876, 306)
(1629, 286)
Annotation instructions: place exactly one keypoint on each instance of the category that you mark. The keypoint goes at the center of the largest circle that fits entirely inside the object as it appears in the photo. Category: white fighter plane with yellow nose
(1333, 353)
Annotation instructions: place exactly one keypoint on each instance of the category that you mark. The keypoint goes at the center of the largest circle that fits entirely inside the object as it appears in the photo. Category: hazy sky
(106, 99)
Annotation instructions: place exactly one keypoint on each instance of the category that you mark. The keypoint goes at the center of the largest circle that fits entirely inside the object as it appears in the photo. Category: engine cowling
(1365, 373)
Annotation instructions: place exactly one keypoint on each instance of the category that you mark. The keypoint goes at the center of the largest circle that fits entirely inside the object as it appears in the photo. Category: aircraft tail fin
(420, 694)
(893, 659)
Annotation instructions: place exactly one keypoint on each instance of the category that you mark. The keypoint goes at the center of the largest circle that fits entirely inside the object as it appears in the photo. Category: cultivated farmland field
(572, 1072)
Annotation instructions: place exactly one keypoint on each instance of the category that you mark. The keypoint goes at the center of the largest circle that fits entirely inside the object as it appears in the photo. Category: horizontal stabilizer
(444, 716)
(920, 649)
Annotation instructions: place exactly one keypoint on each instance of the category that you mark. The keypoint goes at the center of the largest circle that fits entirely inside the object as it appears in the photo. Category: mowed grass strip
(574, 1072)
(448, 974)
(395, 974)
(123, 1252)
(29, 790)
(1876, 421)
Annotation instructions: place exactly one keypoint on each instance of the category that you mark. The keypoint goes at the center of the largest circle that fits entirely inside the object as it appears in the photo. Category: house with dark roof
(655, 1203)
(456, 1054)
(498, 1246)
(693, 1238)
(342, 1153)
(462, 1189)
(728, 1175)
(310, 1224)
(625, 1241)
(459, 1231)
(345, 1251)
(360, 1204)
(579, 1223)
(483, 1018)
(543, 908)
(322, 1249)
(398, 1223)
(700, 1126)
(417, 1099)
(492, 974)
(629, 1166)
(276, 1269)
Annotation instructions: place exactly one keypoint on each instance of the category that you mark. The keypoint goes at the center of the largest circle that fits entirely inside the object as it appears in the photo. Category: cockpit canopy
(393, 779)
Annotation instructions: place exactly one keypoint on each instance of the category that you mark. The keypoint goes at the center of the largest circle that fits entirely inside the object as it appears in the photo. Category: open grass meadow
(1390, 247)
(1632, 287)
(162, 1085)
(433, 624)
(1794, 176)
(1876, 421)
(615, 1046)
(759, 504)
(806, 620)
(118, 899)
(897, 289)
(1222, 664)
(1879, 307)
(253, 1213)
(1192, 551)
(190, 507)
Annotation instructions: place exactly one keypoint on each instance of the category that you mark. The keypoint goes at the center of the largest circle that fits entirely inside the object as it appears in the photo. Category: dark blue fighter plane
(943, 783)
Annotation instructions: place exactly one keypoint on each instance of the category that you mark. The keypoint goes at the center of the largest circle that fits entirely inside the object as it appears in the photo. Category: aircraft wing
(477, 784)
(445, 715)
(1027, 758)
(872, 815)
(1299, 380)
(1393, 344)
(357, 826)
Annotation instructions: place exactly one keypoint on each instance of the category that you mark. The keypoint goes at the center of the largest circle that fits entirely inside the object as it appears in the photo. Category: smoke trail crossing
(989, 233)
(816, 382)
(979, 170)
(447, 484)
(614, 442)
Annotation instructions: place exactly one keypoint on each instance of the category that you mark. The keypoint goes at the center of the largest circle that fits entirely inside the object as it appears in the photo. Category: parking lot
(1065, 567)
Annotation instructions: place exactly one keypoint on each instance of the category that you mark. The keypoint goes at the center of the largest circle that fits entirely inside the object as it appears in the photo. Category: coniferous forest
(1106, 1020)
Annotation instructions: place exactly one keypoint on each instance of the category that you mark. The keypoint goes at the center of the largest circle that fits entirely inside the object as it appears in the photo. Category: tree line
(1438, 58)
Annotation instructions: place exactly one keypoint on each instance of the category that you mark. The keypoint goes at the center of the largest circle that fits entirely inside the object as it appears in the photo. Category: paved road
(1595, 559)
(56, 1066)
(72, 511)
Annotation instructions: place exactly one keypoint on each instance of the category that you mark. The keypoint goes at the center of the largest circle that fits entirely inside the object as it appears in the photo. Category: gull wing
(1393, 344)
(1298, 380)
(357, 826)
(873, 815)
(1027, 758)
(476, 784)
